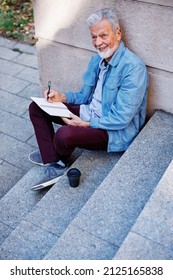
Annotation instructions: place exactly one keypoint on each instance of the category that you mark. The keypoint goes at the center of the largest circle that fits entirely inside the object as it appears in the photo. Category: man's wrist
(87, 124)
(63, 97)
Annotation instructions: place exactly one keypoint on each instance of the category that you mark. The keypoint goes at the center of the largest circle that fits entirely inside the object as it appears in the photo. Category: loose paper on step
(53, 109)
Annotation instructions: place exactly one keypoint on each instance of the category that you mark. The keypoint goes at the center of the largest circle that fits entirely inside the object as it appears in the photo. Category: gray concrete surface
(62, 32)
(113, 209)
(53, 212)
(153, 229)
(19, 79)
(29, 229)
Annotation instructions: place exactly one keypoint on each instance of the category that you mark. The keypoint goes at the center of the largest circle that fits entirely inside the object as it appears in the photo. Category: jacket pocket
(112, 84)
(111, 89)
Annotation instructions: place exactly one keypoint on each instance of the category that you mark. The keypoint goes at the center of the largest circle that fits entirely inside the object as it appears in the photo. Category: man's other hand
(75, 121)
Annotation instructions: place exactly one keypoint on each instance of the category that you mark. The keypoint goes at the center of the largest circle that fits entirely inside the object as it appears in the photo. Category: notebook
(53, 109)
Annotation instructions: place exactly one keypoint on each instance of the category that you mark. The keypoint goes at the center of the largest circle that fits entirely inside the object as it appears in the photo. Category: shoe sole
(46, 184)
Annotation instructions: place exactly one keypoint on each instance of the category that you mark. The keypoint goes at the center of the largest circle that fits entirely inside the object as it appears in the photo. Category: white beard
(108, 53)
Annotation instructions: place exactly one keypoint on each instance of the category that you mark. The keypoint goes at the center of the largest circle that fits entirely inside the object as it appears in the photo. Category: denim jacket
(124, 97)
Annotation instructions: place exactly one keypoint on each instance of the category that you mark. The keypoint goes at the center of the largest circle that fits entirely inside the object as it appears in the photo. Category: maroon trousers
(56, 145)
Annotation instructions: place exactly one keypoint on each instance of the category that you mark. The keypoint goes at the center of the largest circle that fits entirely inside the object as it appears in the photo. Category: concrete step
(103, 223)
(151, 237)
(34, 234)
(20, 200)
(15, 205)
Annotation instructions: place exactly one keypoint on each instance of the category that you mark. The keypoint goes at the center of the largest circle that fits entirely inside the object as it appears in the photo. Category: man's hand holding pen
(49, 85)
(53, 95)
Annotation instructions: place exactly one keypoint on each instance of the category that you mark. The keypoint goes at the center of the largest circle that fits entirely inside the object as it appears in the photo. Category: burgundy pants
(60, 144)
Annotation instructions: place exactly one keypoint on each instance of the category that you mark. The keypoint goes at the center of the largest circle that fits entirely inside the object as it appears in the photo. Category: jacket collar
(114, 60)
(116, 57)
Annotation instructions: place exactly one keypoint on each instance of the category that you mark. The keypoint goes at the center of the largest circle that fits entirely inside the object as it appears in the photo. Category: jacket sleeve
(129, 99)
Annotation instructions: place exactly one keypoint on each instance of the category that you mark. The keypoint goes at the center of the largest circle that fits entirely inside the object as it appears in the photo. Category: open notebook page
(53, 109)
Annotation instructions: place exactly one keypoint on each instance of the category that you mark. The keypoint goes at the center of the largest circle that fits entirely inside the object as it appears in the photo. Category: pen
(49, 84)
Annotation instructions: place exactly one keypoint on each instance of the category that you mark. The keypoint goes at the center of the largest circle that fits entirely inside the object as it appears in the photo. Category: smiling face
(105, 39)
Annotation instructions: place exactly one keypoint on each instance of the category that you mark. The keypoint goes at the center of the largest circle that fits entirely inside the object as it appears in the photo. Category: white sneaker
(52, 175)
(35, 157)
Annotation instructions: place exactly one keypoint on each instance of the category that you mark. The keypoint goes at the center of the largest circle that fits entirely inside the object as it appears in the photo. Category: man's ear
(119, 33)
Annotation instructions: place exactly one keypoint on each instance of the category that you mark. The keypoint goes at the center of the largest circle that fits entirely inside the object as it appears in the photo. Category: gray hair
(102, 14)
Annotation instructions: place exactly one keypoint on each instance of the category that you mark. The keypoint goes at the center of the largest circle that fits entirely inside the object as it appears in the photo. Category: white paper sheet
(53, 109)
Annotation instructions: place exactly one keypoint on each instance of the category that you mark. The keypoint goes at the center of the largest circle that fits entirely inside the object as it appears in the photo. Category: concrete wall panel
(64, 44)
(147, 28)
(160, 91)
(70, 63)
(62, 64)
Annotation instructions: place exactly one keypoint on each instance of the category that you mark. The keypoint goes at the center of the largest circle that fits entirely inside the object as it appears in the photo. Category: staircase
(153, 230)
(122, 208)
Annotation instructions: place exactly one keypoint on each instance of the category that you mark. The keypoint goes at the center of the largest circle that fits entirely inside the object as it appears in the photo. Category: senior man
(108, 111)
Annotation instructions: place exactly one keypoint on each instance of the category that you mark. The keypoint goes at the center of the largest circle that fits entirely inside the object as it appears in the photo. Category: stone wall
(64, 44)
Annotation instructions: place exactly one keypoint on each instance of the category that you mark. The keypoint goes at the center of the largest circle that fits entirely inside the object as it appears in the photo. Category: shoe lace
(50, 171)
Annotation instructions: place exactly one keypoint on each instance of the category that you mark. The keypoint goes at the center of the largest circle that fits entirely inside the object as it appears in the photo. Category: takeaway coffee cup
(74, 177)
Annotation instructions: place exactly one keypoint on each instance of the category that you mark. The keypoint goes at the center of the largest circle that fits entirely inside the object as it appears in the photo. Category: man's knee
(35, 111)
(32, 108)
(64, 136)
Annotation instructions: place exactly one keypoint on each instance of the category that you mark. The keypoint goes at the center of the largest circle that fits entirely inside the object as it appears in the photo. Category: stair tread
(121, 197)
(152, 232)
(92, 221)
(20, 200)
(58, 207)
